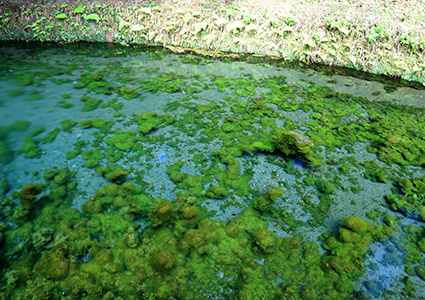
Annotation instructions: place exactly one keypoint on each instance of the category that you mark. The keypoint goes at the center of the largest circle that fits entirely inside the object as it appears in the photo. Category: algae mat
(142, 174)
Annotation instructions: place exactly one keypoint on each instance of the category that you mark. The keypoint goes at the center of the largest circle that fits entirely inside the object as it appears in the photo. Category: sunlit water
(197, 113)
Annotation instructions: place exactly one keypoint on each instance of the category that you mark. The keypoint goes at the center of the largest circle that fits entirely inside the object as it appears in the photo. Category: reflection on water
(137, 173)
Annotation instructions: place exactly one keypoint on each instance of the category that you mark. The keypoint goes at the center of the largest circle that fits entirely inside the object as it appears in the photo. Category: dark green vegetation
(128, 242)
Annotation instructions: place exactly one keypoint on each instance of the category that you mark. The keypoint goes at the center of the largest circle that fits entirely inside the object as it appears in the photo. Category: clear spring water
(202, 106)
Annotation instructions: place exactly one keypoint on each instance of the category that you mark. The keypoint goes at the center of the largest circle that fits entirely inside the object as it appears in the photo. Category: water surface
(145, 174)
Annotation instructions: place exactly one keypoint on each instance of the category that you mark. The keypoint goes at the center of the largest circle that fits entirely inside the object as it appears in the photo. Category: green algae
(19, 126)
(6, 154)
(36, 131)
(150, 121)
(113, 104)
(68, 124)
(409, 197)
(64, 104)
(92, 158)
(90, 103)
(127, 93)
(30, 148)
(166, 249)
(125, 141)
(113, 173)
(50, 137)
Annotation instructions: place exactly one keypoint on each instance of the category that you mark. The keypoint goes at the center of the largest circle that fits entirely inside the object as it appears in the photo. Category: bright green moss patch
(50, 137)
(409, 198)
(20, 126)
(125, 141)
(30, 148)
(68, 124)
(217, 192)
(38, 130)
(6, 154)
(151, 120)
(261, 153)
(90, 103)
(113, 104)
(92, 158)
(64, 104)
(127, 93)
(374, 172)
(113, 173)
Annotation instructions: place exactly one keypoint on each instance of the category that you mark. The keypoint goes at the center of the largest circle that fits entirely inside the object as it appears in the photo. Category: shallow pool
(143, 174)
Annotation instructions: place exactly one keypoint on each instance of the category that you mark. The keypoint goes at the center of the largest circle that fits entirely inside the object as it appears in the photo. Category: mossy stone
(28, 194)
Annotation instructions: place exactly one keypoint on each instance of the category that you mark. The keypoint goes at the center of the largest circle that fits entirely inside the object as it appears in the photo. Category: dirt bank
(381, 37)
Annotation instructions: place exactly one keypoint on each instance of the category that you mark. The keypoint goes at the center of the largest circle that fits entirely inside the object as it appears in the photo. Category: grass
(381, 37)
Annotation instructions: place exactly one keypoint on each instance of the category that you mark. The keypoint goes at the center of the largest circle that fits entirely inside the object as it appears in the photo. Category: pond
(145, 174)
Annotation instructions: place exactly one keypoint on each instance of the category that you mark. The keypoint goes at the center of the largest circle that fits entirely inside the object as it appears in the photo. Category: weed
(337, 25)
(377, 33)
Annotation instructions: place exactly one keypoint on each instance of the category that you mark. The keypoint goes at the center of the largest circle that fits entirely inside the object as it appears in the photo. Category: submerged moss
(90, 103)
(125, 244)
(30, 148)
(19, 126)
(68, 124)
(92, 158)
(292, 143)
(6, 154)
(125, 141)
(409, 198)
(113, 173)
